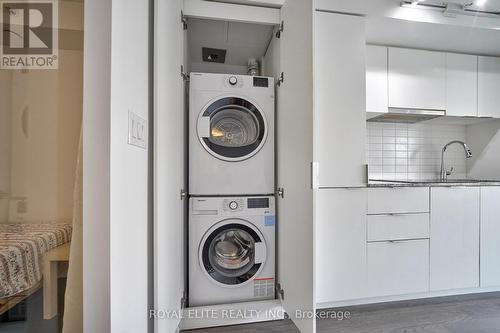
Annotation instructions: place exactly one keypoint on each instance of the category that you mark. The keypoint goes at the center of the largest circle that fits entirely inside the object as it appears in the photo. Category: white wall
(484, 141)
(129, 168)
(115, 243)
(44, 152)
(5, 115)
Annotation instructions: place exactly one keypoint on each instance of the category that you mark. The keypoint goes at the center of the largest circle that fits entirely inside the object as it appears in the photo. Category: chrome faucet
(445, 173)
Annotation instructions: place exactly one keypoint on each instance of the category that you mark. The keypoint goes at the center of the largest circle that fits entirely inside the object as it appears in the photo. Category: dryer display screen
(258, 203)
(260, 82)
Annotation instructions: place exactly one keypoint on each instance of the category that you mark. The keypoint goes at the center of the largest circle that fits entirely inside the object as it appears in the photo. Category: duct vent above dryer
(214, 55)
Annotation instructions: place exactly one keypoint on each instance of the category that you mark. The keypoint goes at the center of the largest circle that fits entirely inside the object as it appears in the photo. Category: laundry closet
(239, 201)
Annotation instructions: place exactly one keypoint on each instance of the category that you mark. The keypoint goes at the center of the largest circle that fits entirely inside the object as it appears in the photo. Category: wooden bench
(51, 261)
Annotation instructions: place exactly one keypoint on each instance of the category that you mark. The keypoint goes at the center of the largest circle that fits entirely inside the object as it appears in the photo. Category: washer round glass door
(232, 252)
(232, 129)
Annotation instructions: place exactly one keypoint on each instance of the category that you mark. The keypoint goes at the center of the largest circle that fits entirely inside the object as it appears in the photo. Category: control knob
(233, 205)
(233, 80)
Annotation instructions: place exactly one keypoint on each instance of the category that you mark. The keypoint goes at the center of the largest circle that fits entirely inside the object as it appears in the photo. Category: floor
(457, 314)
(27, 316)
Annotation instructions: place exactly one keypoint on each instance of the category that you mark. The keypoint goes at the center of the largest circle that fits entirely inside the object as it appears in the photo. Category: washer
(231, 135)
(231, 250)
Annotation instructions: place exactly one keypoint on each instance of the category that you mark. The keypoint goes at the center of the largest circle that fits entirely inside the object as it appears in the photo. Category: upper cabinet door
(417, 79)
(294, 157)
(489, 87)
(461, 85)
(377, 96)
(339, 99)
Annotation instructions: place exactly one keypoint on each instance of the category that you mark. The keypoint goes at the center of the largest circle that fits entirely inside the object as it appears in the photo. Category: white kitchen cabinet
(461, 85)
(340, 244)
(295, 128)
(339, 99)
(397, 227)
(490, 236)
(398, 200)
(169, 163)
(454, 250)
(489, 87)
(376, 79)
(417, 79)
(398, 267)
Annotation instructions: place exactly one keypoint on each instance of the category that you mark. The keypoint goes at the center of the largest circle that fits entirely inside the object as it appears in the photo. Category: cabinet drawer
(398, 200)
(398, 268)
(398, 226)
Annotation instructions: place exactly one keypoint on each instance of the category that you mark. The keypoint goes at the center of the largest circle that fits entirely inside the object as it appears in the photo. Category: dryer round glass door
(232, 252)
(232, 129)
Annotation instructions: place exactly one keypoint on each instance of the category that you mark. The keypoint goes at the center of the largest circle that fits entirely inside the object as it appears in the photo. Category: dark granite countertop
(432, 183)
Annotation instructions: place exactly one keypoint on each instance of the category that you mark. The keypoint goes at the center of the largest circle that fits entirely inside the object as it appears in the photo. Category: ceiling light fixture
(452, 9)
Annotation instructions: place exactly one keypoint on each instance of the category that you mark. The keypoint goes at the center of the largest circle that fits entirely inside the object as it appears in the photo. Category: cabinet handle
(398, 241)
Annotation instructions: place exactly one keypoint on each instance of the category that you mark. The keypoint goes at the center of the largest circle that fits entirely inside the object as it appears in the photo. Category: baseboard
(231, 314)
(395, 298)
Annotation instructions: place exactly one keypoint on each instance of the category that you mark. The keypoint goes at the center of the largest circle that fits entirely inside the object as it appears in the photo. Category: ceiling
(432, 36)
(241, 40)
(490, 5)
(386, 23)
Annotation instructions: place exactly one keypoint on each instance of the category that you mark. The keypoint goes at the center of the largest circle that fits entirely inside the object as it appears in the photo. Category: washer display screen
(258, 203)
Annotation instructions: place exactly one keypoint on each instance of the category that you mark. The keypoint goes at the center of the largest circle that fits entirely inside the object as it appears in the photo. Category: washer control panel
(233, 81)
(233, 205)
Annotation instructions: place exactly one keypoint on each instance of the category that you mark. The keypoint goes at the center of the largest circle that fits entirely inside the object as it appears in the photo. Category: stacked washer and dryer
(231, 185)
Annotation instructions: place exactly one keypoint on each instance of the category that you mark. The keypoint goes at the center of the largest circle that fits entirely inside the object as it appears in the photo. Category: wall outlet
(137, 131)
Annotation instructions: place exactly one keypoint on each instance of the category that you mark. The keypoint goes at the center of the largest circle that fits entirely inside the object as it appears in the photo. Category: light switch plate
(137, 131)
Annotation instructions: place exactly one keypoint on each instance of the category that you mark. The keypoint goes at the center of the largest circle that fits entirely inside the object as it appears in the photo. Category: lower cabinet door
(340, 244)
(398, 267)
(490, 236)
(455, 216)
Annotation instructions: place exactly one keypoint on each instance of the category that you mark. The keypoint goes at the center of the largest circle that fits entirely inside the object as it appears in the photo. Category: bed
(22, 249)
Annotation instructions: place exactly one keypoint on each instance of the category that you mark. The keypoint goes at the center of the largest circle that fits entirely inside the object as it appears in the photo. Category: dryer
(231, 250)
(231, 134)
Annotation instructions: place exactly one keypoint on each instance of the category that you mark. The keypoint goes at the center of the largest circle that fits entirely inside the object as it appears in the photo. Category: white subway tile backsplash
(413, 151)
(389, 139)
